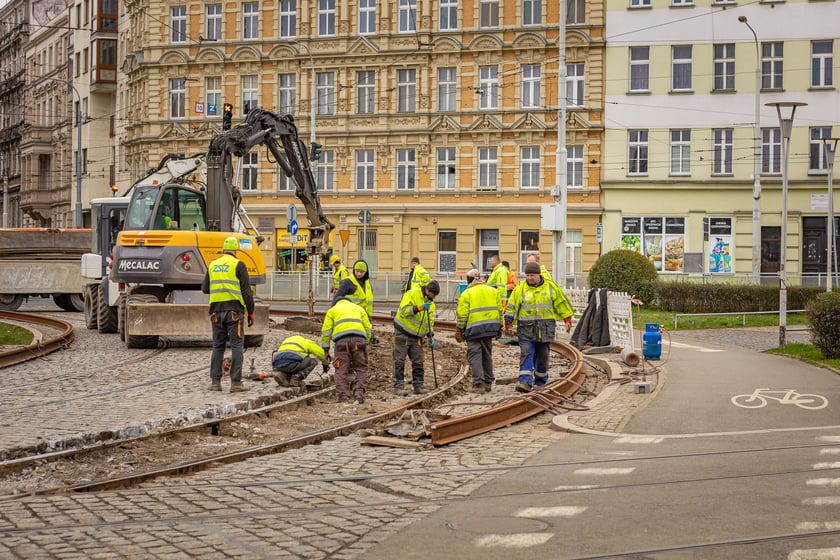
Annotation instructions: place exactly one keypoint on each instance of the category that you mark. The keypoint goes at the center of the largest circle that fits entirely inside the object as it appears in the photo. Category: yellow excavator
(172, 231)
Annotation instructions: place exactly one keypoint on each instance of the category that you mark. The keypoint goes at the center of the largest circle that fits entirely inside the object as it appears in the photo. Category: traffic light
(227, 117)
(314, 151)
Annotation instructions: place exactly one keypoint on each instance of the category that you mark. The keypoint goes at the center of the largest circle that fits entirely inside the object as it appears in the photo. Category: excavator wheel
(91, 305)
(121, 317)
(106, 315)
(138, 341)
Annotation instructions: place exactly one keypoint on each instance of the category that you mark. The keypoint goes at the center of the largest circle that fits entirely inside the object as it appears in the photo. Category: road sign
(365, 216)
(345, 235)
(293, 227)
(291, 213)
(599, 232)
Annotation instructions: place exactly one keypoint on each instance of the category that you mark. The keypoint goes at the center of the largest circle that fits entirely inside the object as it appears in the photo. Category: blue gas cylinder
(652, 342)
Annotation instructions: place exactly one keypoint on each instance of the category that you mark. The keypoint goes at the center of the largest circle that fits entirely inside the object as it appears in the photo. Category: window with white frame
(682, 2)
(445, 169)
(250, 171)
(822, 61)
(407, 16)
(177, 98)
(681, 68)
(326, 93)
(287, 93)
(447, 251)
(681, 151)
(639, 68)
(722, 151)
(251, 20)
(250, 93)
(406, 90)
(288, 19)
(772, 65)
(367, 17)
(488, 14)
(816, 157)
(213, 22)
(639, 3)
(448, 15)
(284, 182)
(213, 96)
(488, 85)
(574, 84)
(326, 171)
(531, 79)
(178, 24)
(364, 170)
(531, 12)
(574, 252)
(530, 168)
(575, 11)
(637, 153)
(771, 151)
(406, 166)
(487, 165)
(724, 65)
(365, 92)
(574, 166)
(446, 89)
(326, 18)
(529, 244)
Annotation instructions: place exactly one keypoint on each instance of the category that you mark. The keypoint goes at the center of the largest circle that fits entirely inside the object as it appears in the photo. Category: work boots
(215, 384)
(237, 387)
(281, 378)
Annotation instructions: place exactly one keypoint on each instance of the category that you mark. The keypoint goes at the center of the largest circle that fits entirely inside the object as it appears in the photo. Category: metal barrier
(735, 313)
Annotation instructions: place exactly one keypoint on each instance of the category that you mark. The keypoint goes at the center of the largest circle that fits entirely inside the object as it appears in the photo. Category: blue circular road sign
(293, 227)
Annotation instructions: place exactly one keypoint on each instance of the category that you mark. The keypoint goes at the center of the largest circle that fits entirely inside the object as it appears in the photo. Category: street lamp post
(78, 219)
(830, 145)
(756, 218)
(560, 174)
(786, 127)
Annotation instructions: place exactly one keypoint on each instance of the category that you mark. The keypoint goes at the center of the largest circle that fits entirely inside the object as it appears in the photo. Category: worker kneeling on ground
(348, 327)
(415, 320)
(295, 359)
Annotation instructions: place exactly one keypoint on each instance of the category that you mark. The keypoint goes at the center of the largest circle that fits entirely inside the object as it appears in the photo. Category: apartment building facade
(14, 31)
(678, 176)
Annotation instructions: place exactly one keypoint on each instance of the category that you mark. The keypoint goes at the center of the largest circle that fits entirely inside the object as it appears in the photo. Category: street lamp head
(742, 19)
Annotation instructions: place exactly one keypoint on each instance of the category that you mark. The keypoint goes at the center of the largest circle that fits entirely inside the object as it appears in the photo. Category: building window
(529, 244)
(213, 22)
(250, 171)
(177, 98)
(681, 152)
(639, 3)
(179, 24)
(326, 18)
(326, 171)
(531, 85)
(487, 165)
(366, 95)
(772, 65)
(364, 170)
(574, 84)
(213, 96)
(367, 17)
(284, 182)
(406, 90)
(637, 155)
(722, 151)
(531, 12)
(287, 88)
(488, 14)
(574, 166)
(288, 19)
(488, 87)
(681, 68)
(251, 20)
(250, 91)
(639, 69)
(816, 160)
(447, 251)
(326, 93)
(530, 167)
(405, 170)
(682, 2)
(821, 64)
(575, 11)
(446, 89)
(771, 150)
(408, 16)
(445, 169)
(724, 65)
(448, 15)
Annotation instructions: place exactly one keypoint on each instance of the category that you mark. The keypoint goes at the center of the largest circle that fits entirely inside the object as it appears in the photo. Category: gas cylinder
(652, 342)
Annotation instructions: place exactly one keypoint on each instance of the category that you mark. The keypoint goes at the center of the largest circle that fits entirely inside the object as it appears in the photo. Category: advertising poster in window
(674, 244)
(631, 238)
(720, 245)
(653, 241)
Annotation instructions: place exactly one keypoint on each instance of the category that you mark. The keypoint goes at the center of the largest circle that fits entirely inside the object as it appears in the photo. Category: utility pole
(560, 176)
(756, 218)
(5, 190)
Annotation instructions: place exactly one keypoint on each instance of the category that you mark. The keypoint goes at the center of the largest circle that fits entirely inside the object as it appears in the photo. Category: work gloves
(459, 336)
(509, 330)
(425, 307)
(431, 337)
(250, 319)
(568, 321)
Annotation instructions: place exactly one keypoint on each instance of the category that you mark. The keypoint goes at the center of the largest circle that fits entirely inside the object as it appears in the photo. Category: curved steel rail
(38, 348)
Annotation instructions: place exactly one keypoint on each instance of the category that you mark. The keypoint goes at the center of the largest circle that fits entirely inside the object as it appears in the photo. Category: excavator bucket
(182, 319)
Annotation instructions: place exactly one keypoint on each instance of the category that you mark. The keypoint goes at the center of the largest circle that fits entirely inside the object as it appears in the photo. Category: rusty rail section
(37, 348)
(552, 396)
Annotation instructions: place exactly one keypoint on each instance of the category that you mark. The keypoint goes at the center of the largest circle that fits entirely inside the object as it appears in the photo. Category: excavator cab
(167, 207)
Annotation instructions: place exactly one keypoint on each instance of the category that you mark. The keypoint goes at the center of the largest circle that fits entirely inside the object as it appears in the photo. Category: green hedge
(824, 316)
(727, 298)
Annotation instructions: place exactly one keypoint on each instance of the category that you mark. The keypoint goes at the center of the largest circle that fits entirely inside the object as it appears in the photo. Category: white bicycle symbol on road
(759, 398)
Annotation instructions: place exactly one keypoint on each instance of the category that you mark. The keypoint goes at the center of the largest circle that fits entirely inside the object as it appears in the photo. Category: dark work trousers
(350, 353)
(480, 358)
(300, 368)
(227, 326)
(533, 362)
(406, 345)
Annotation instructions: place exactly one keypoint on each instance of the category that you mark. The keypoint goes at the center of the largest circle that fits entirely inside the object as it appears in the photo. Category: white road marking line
(604, 471)
(558, 511)
(830, 451)
(817, 525)
(829, 439)
(639, 439)
(825, 482)
(815, 554)
(516, 540)
(823, 501)
(578, 487)
(826, 466)
(692, 347)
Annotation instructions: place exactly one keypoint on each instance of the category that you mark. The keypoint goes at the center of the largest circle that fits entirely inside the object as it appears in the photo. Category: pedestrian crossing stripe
(829, 439)
(824, 482)
(823, 501)
(639, 439)
(827, 466)
(817, 525)
(831, 451)
(516, 540)
(558, 511)
(815, 554)
(604, 471)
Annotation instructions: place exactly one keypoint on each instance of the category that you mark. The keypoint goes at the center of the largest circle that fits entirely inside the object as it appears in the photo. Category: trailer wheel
(91, 305)
(10, 302)
(106, 315)
(140, 341)
(69, 302)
